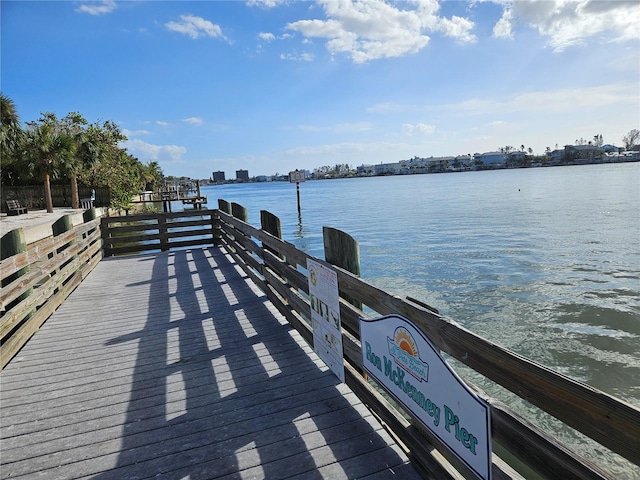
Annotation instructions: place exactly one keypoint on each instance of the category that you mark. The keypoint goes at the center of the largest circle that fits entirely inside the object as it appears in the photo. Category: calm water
(545, 262)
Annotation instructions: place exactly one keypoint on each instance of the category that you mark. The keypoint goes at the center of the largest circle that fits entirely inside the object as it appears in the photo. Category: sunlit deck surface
(176, 366)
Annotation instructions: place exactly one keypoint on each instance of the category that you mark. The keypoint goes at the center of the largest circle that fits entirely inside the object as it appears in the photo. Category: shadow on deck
(176, 366)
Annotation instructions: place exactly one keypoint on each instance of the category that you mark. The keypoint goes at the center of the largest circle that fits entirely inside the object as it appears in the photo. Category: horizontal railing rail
(38, 277)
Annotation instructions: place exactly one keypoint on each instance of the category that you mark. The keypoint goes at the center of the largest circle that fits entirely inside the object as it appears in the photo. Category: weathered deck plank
(176, 366)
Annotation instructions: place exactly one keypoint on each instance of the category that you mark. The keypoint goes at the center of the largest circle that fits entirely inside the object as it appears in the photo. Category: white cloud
(135, 133)
(374, 29)
(161, 123)
(193, 121)
(158, 153)
(418, 128)
(571, 22)
(194, 27)
(299, 57)
(267, 37)
(98, 8)
(265, 3)
(458, 28)
(338, 128)
(503, 29)
(558, 101)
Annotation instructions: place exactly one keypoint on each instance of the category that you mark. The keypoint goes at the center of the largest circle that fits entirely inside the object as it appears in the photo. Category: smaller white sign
(403, 360)
(297, 176)
(325, 316)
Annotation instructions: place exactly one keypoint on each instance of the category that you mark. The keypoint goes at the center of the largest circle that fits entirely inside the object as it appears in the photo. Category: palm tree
(47, 154)
(72, 125)
(11, 136)
(88, 152)
(153, 176)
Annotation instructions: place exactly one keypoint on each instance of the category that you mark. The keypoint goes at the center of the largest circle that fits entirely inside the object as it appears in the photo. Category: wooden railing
(38, 276)
(157, 232)
(278, 268)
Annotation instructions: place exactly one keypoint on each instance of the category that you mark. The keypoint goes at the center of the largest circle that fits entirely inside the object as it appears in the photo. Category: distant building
(218, 177)
(581, 152)
(387, 168)
(489, 159)
(365, 170)
(242, 175)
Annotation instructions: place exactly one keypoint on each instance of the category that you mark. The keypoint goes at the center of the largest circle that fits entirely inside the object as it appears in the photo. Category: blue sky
(274, 85)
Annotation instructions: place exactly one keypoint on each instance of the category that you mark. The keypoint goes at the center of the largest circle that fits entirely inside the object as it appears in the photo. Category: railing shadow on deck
(219, 386)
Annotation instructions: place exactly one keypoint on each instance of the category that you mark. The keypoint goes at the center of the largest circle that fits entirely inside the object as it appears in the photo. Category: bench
(14, 208)
(86, 203)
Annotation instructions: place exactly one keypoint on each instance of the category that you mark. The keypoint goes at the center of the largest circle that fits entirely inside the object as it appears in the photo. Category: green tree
(74, 125)
(153, 176)
(631, 139)
(47, 153)
(11, 139)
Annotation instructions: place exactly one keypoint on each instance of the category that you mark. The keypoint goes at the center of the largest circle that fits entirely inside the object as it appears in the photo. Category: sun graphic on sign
(405, 341)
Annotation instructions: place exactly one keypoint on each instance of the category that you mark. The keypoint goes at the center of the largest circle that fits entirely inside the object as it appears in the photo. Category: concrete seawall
(36, 224)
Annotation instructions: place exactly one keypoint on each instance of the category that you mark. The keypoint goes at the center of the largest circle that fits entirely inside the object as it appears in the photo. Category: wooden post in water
(239, 212)
(296, 177)
(342, 250)
(224, 206)
(12, 243)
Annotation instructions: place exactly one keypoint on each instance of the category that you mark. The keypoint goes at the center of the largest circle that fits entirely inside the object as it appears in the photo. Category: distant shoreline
(285, 178)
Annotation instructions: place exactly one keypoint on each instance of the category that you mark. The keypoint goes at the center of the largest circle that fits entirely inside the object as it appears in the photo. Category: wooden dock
(195, 364)
(175, 365)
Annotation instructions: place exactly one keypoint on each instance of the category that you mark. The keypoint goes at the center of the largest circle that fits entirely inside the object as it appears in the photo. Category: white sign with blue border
(403, 360)
(325, 316)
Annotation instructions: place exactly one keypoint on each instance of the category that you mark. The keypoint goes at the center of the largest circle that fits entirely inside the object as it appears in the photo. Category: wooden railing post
(106, 236)
(162, 231)
(60, 226)
(224, 206)
(88, 216)
(342, 250)
(63, 224)
(215, 227)
(239, 212)
(271, 224)
(12, 243)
